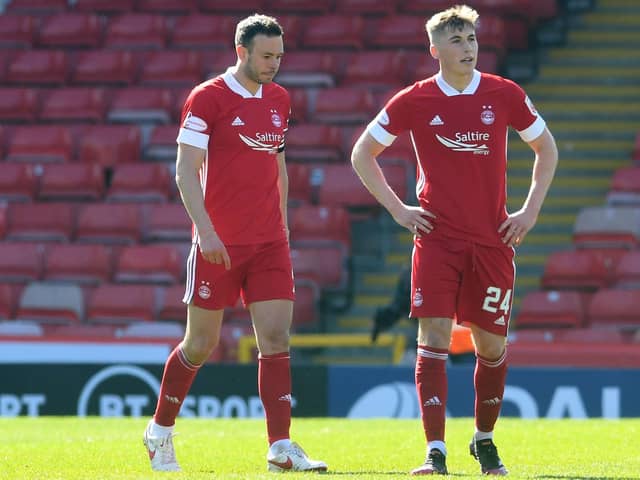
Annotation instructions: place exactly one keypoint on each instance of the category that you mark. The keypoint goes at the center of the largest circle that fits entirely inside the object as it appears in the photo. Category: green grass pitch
(95, 448)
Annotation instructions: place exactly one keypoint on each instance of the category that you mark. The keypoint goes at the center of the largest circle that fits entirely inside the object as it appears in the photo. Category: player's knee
(273, 341)
(198, 350)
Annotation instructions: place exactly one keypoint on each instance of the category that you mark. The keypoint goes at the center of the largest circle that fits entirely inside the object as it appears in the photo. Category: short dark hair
(254, 25)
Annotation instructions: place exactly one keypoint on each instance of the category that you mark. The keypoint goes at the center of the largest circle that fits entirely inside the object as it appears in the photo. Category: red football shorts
(459, 279)
(258, 272)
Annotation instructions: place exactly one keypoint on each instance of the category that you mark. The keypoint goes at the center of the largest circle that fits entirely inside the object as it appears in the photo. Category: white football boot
(161, 452)
(292, 459)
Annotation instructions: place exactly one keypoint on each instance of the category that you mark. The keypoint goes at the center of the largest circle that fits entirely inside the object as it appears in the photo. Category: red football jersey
(242, 133)
(460, 141)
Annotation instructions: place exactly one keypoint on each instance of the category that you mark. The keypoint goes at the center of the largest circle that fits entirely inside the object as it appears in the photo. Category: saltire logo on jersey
(461, 146)
(260, 145)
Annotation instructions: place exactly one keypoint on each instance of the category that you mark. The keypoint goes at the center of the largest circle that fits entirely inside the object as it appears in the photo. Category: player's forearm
(193, 199)
(373, 179)
(544, 169)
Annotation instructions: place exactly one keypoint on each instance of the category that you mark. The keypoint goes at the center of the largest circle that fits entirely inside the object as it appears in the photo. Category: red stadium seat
(41, 222)
(108, 7)
(299, 105)
(41, 143)
(38, 67)
(299, 186)
(577, 269)
(181, 68)
(232, 6)
(20, 262)
(172, 309)
(317, 7)
(398, 31)
(82, 331)
(314, 143)
(326, 265)
(78, 263)
(625, 187)
(148, 264)
(636, 149)
(400, 150)
(51, 303)
(4, 206)
(71, 181)
(204, 31)
(77, 104)
(375, 69)
(607, 227)
(319, 224)
(141, 105)
(167, 222)
(37, 7)
(215, 63)
(139, 182)
(305, 307)
(308, 69)
(121, 304)
(552, 309)
(627, 272)
(109, 145)
(344, 105)
(19, 104)
(108, 223)
(167, 6)
(105, 67)
(17, 31)
(70, 30)
(230, 334)
(18, 182)
(366, 7)
(136, 30)
(589, 336)
(8, 301)
(333, 31)
(293, 27)
(162, 144)
(615, 309)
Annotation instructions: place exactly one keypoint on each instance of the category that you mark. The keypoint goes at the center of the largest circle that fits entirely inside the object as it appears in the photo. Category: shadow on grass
(574, 477)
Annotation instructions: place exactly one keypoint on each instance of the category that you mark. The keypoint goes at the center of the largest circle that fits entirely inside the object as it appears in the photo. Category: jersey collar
(236, 87)
(449, 91)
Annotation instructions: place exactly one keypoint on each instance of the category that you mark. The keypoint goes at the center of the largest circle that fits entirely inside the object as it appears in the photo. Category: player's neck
(457, 81)
(251, 86)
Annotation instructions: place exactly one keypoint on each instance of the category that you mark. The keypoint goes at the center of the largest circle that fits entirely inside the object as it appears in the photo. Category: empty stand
(37, 7)
(19, 105)
(40, 143)
(627, 272)
(108, 145)
(167, 222)
(181, 68)
(18, 182)
(314, 143)
(108, 223)
(8, 301)
(20, 262)
(167, 6)
(299, 105)
(398, 31)
(171, 307)
(136, 30)
(108, 7)
(21, 328)
(607, 227)
(71, 181)
(82, 331)
(300, 6)
(333, 31)
(204, 31)
(553, 309)
(376, 69)
(78, 104)
(344, 105)
(78, 263)
(326, 265)
(71, 30)
(366, 7)
(139, 182)
(41, 222)
(232, 6)
(152, 330)
(588, 269)
(38, 67)
(121, 304)
(305, 307)
(148, 264)
(52, 303)
(105, 67)
(319, 224)
(17, 31)
(141, 105)
(300, 190)
(625, 187)
(162, 143)
(308, 69)
(230, 334)
(615, 308)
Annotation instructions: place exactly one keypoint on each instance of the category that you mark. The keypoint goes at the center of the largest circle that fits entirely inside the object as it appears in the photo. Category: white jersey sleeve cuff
(195, 139)
(533, 131)
(380, 134)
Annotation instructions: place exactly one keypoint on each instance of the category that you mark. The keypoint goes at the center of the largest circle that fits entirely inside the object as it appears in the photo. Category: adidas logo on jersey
(237, 122)
(436, 121)
(433, 402)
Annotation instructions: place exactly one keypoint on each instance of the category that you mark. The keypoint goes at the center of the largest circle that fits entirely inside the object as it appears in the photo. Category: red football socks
(489, 379)
(431, 385)
(274, 386)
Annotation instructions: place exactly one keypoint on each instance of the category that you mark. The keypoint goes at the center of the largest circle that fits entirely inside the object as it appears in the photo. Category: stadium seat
(36, 7)
(78, 104)
(167, 222)
(333, 31)
(299, 186)
(71, 30)
(587, 269)
(551, 309)
(627, 272)
(314, 143)
(635, 155)
(162, 145)
(71, 181)
(108, 7)
(38, 67)
(152, 330)
(232, 6)
(141, 105)
(615, 309)
(344, 105)
(41, 222)
(139, 182)
(607, 227)
(82, 331)
(307, 7)
(136, 30)
(17, 31)
(589, 336)
(8, 301)
(398, 31)
(230, 334)
(376, 69)
(52, 303)
(366, 7)
(121, 304)
(20, 262)
(625, 187)
(105, 67)
(204, 32)
(4, 206)
(326, 265)
(19, 105)
(299, 105)
(40, 143)
(305, 307)
(148, 264)
(176, 68)
(109, 145)
(319, 224)
(171, 307)
(293, 26)
(401, 150)
(78, 263)
(308, 69)
(215, 62)
(167, 6)
(18, 182)
(21, 328)
(108, 223)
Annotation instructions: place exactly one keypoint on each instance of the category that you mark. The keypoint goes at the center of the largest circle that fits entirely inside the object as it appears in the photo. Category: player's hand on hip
(415, 219)
(516, 227)
(213, 250)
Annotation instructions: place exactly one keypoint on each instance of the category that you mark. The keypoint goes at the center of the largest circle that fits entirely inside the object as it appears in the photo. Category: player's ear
(433, 50)
(242, 52)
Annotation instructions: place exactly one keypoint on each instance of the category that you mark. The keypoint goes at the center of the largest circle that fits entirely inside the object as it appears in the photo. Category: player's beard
(252, 74)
